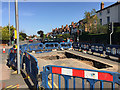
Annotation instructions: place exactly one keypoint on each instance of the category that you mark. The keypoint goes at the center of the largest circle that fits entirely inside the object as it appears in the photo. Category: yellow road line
(14, 86)
(49, 85)
(9, 86)
(53, 84)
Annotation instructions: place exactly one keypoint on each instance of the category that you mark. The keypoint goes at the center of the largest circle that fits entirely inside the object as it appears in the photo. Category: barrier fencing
(98, 48)
(50, 46)
(110, 50)
(76, 45)
(85, 46)
(92, 76)
(65, 45)
(68, 73)
(32, 68)
(113, 50)
(12, 61)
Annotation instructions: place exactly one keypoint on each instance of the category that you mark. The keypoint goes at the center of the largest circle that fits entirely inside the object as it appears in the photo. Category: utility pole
(111, 34)
(17, 28)
(9, 24)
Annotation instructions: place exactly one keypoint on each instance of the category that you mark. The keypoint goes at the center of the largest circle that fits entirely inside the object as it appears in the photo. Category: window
(101, 21)
(108, 10)
(100, 13)
(108, 19)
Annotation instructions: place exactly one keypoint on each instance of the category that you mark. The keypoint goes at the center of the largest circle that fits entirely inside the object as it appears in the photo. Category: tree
(92, 21)
(23, 35)
(65, 36)
(5, 32)
(41, 33)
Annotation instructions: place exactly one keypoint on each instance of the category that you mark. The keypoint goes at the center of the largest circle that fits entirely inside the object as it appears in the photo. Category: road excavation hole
(54, 57)
(66, 55)
(93, 63)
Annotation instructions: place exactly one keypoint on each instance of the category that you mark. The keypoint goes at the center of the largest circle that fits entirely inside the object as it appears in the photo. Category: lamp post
(9, 24)
(17, 28)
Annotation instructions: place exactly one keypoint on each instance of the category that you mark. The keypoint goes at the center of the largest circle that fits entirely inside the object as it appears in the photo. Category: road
(12, 80)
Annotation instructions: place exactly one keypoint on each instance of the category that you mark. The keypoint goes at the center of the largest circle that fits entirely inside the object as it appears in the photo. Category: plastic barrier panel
(21, 59)
(76, 45)
(38, 46)
(85, 46)
(113, 50)
(51, 45)
(32, 68)
(65, 45)
(12, 61)
(24, 47)
(98, 48)
(85, 75)
(31, 47)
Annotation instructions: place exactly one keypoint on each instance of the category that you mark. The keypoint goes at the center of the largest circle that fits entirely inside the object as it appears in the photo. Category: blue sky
(34, 16)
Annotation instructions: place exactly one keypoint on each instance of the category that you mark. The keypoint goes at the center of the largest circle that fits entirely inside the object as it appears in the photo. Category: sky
(35, 16)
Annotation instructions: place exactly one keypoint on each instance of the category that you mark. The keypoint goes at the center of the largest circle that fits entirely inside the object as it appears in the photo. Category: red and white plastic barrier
(83, 73)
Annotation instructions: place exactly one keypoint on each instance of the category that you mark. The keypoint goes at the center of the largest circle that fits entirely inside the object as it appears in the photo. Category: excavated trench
(65, 55)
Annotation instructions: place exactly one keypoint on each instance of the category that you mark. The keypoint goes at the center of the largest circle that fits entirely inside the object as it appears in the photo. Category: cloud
(27, 14)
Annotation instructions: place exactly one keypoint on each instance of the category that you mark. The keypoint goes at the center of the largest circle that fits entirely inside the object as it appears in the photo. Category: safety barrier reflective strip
(27, 55)
(83, 73)
(13, 51)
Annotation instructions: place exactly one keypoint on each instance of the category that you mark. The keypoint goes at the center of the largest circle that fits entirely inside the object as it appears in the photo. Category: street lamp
(9, 24)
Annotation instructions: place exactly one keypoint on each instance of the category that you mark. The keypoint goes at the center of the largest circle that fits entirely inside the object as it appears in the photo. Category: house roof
(118, 2)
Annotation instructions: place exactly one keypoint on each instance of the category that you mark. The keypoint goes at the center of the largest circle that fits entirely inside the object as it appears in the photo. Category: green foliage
(5, 33)
(23, 35)
(59, 35)
(65, 36)
(93, 23)
(21, 38)
(117, 29)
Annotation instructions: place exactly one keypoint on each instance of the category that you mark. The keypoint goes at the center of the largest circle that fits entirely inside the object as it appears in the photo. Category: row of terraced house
(106, 15)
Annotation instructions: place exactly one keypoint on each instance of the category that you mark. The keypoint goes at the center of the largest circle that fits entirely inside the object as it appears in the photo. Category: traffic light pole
(17, 28)
(111, 34)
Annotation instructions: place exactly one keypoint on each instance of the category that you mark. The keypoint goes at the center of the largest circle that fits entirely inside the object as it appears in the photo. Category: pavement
(8, 78)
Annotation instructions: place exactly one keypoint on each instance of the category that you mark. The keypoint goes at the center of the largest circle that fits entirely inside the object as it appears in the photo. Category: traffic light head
(110, 26)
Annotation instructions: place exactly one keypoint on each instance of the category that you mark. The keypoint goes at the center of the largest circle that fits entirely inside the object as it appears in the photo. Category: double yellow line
(53, 84)
(12, 87)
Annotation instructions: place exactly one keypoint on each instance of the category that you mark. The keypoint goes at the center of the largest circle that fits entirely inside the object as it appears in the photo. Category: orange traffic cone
(4, 49)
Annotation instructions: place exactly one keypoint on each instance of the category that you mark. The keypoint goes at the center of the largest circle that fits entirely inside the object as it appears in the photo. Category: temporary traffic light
(110, 26)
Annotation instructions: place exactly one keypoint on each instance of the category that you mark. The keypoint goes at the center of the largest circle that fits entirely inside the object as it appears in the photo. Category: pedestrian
(68, 40)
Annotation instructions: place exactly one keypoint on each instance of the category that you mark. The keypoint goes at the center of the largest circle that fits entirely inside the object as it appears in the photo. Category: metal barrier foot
(15, 72)
(10, 68)
(27, 77)
(101, 55)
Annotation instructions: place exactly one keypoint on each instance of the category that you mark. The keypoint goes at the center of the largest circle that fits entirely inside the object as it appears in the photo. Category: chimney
(66, 25)
(72, 23)
(62, 26)
(102, 5)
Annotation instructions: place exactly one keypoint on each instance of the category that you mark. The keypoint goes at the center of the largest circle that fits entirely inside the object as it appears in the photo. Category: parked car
(30, 40)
